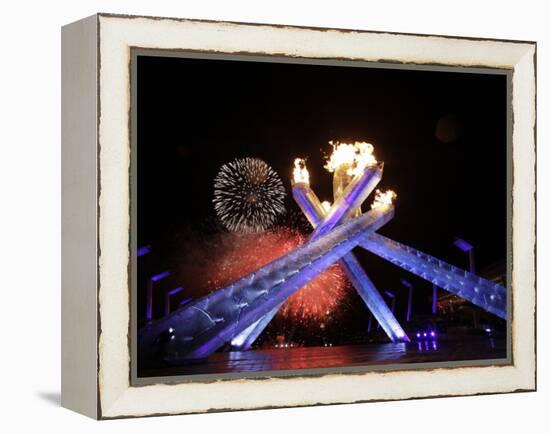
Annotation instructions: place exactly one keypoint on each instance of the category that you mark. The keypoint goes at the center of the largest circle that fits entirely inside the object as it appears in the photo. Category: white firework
(248, 195)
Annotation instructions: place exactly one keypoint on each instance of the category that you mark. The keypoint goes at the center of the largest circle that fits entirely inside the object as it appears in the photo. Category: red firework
(244, 253)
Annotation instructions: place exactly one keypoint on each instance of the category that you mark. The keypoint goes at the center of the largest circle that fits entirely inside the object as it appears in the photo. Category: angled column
(393, 299)
(351, 199)
(481, 292)
(244, 340)
(199, 329)
(345, 205)
(310, 205)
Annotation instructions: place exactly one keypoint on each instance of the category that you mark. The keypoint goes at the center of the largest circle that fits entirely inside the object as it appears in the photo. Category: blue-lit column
(309, 203)
(391, 296)
(244, 340)
(198, 329)
(351, 199)
(353, 196)
(481, 292)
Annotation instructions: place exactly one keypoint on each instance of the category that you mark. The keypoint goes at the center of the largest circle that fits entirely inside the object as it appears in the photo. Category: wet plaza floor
(275, 359)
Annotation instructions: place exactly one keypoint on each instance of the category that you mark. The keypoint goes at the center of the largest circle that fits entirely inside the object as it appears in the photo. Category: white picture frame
(96, 129)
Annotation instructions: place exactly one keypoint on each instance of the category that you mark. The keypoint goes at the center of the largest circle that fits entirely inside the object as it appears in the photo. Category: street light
(167, 297)
(142, 251)
(392, 296)
(466, 247)
(410, 298)
(150, 284)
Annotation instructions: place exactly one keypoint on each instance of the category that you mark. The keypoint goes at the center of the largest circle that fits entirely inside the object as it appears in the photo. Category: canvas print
(296, 217)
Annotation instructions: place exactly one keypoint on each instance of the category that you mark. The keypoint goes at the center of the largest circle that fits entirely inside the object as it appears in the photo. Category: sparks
(248, 195)
(323, 294)
(243, 253)
(300, 172)
(326, 205)
(383, 198)
(356, 157)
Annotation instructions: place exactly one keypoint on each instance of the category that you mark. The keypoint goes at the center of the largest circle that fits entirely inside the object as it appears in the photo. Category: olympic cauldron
(236, 315)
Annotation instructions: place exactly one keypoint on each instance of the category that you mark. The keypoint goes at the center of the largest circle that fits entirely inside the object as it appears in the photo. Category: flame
(383, 198)
(300, 172)
(326, 205)
(357, 156)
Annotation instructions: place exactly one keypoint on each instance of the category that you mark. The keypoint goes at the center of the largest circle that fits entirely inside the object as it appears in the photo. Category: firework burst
(248, 195)
(319, 300)
(316, 302)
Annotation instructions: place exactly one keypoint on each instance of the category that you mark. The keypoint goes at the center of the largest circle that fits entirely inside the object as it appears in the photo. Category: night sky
(441, 135)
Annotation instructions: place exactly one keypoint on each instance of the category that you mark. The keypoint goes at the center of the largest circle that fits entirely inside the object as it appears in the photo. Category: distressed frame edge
(530, 51)
(79, 182)
(304, 27)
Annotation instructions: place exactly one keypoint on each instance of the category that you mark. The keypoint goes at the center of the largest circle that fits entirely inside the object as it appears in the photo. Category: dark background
(441, 135)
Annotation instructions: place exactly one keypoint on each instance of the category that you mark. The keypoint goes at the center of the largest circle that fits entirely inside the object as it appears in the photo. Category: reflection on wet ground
(273, 359)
